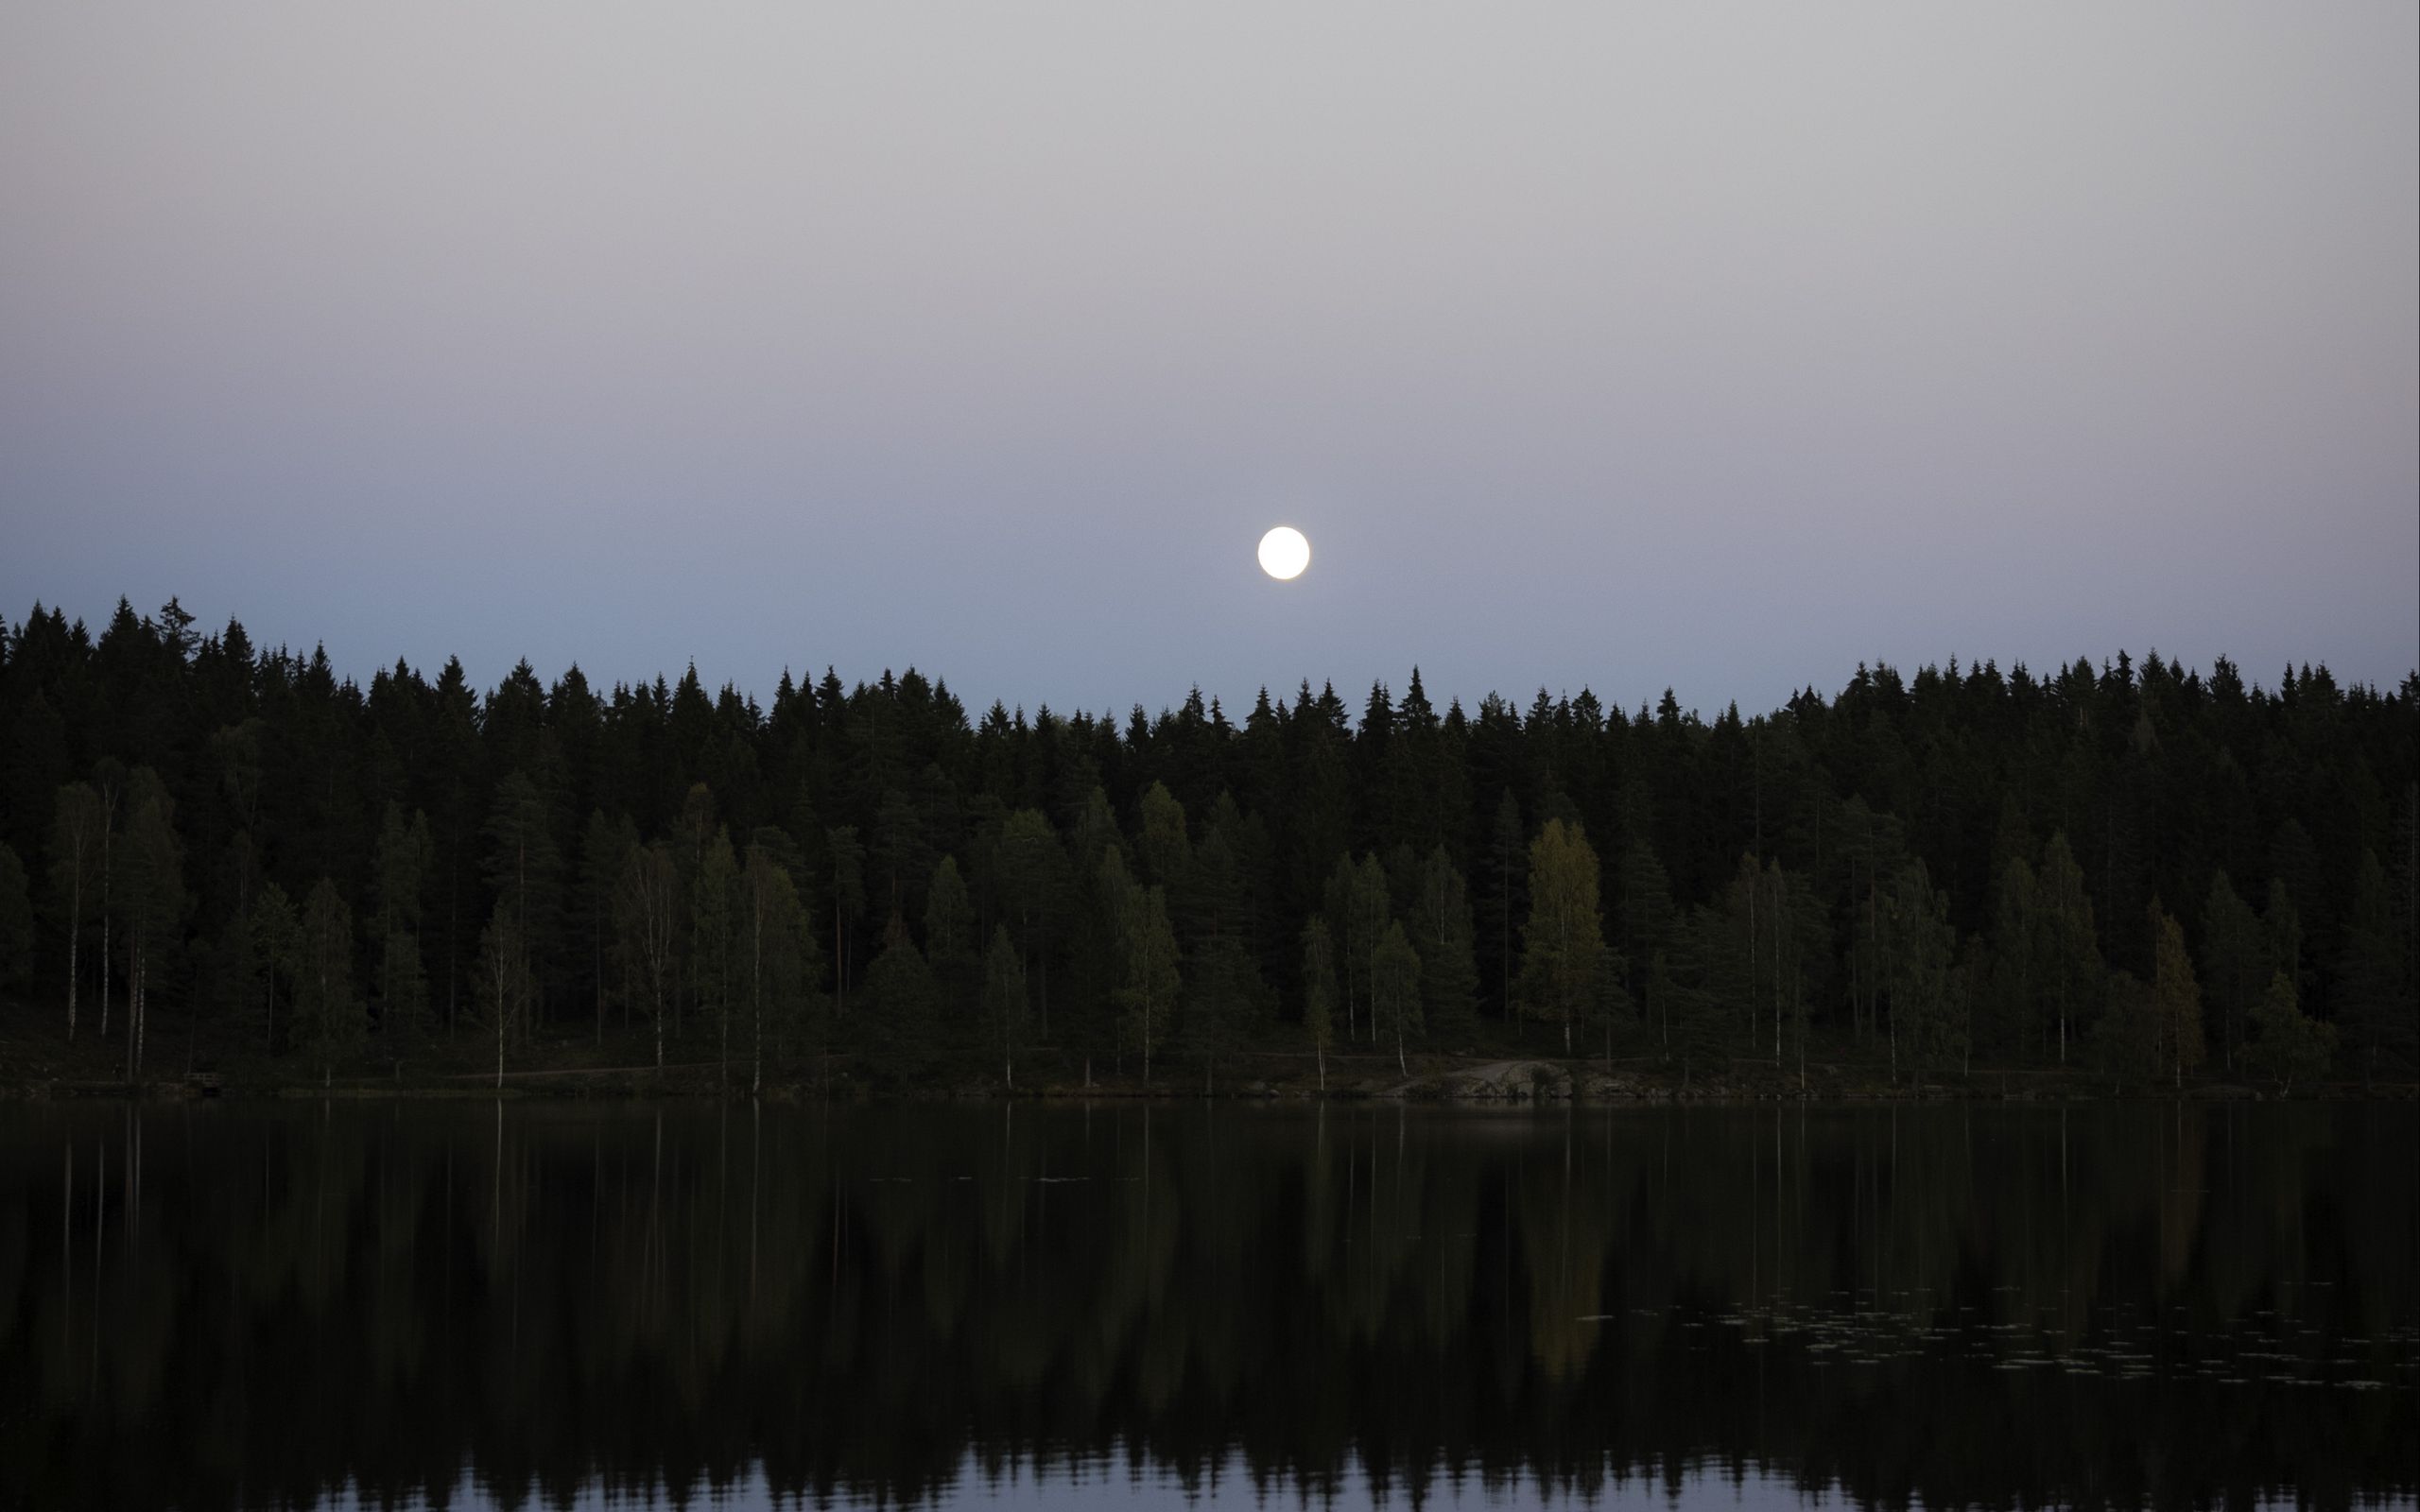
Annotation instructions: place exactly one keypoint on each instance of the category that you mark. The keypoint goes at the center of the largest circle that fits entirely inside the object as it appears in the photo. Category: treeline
(2136, 868)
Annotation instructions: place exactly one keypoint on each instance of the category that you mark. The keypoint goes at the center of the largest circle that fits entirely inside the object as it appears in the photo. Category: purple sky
(1692, 345)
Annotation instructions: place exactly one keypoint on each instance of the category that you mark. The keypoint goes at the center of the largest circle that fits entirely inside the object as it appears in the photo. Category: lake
(574, 1304)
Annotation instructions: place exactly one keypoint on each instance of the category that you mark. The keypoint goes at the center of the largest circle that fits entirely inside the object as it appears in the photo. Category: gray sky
(1702, 345)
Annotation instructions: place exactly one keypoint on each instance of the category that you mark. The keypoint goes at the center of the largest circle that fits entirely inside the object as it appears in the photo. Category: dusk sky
(1697, 345)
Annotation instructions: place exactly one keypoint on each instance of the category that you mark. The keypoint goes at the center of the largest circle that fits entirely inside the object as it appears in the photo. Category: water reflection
(577, 1305)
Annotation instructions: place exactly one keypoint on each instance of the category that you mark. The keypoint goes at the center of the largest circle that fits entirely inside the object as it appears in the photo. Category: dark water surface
(558, 1304)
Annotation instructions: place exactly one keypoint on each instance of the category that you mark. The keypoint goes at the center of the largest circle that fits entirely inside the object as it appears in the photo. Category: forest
(217, 853)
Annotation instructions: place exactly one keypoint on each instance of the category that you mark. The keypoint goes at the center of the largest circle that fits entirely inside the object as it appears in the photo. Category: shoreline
(1472, 1082)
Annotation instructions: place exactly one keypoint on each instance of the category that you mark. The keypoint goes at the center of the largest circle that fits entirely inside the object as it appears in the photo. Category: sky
(1713, 347)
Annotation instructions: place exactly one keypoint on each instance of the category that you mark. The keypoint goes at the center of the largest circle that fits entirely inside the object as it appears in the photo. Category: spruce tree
(646, 917)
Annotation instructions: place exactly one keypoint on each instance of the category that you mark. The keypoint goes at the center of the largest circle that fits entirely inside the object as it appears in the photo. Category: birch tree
(775, 926)
(1395, 989)
(1319, 990)
(1004, 998)
(847, 859)
(275, 931)
(504, 984)
(2072, 973)
(1150, 981)
(1565, 934)
(155, 901)
(329, 1020)
(645, 904)
(78, 820)
(712, 912)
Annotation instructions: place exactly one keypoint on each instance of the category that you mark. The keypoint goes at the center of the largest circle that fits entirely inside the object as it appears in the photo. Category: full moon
(1284, 553)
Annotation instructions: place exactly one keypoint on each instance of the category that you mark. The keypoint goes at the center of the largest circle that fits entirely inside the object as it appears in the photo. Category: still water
(472, 1304)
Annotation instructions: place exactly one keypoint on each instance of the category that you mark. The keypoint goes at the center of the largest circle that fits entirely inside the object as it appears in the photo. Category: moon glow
(1284, 553)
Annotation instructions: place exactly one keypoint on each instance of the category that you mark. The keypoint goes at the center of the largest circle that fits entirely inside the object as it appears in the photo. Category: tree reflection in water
(2106, 1305)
